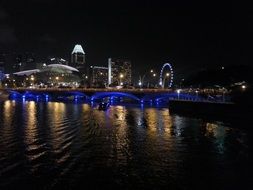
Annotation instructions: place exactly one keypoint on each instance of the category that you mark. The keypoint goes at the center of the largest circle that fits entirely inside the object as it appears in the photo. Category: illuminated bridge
(138, 95)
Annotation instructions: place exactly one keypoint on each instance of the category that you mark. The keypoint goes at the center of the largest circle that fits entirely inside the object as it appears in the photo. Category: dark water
(73, 146)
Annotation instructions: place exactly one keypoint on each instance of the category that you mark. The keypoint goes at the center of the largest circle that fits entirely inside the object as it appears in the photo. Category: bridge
(92, 94)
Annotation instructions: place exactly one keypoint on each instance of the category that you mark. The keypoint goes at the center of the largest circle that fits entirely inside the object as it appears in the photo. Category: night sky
(189, 35)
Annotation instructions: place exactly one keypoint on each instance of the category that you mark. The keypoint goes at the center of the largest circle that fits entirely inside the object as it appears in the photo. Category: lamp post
(32, 80)
(139, 83)
(57, 80)
(141, 80)
(178, 93)
(121, 76)
(197, 94)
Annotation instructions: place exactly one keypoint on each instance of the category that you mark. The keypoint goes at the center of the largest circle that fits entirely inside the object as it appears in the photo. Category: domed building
(53, 75)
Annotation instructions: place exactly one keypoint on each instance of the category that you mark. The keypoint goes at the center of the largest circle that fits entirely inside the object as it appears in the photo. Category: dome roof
(61, 67)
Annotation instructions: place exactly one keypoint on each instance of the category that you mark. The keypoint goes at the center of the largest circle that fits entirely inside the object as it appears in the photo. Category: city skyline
(148, 33)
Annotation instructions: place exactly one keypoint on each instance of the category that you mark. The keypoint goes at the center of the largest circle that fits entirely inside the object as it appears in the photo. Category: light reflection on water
(53, 145)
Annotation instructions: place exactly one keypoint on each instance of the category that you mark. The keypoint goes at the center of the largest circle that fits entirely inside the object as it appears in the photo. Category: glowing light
(178, 93)
(171, 74)
(78, 49)
(243, 87)
(121, 76)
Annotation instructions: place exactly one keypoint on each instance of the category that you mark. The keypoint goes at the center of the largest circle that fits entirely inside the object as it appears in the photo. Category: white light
(121, 83)
(178, 91)
(139, 83)
(243, 86)
(78, 49)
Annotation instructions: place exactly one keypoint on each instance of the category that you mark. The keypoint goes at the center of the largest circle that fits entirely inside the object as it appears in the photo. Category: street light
(178, 93)
(120, 78)
(140, 84)
(197, 94)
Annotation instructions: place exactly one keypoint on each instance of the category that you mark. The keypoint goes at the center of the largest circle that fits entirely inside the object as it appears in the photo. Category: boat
(103, 105)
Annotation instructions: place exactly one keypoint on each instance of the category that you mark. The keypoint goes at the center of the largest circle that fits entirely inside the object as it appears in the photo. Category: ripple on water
(56, 145)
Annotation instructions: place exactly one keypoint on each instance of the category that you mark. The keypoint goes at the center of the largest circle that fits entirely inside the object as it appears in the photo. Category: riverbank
(218, 110)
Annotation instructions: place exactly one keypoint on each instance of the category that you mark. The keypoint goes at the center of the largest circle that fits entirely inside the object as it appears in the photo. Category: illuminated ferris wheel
(169, 75)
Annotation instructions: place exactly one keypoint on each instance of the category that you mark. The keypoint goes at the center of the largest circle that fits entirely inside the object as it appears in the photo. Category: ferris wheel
(169, 75)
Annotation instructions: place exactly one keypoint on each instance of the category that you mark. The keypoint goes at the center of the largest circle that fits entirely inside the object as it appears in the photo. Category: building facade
(78, 58)
(119, 72)
(98, 76)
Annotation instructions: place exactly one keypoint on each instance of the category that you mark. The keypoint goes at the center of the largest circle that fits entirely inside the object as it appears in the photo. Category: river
(56, 145)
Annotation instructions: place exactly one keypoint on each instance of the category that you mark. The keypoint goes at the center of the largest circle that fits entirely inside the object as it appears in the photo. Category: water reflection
(31, 131)
(218, 132)
(63, 145)
(8, 111)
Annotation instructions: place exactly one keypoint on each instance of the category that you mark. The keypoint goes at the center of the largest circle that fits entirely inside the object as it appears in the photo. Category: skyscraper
(99, 76)
(78, 58)
(119, 72)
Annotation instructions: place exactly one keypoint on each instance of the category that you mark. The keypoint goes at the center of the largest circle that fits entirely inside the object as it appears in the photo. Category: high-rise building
(119, 72)
(98, 76)
(78, 58)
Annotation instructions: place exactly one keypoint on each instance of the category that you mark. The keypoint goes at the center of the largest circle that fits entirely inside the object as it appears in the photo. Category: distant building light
(243, 87)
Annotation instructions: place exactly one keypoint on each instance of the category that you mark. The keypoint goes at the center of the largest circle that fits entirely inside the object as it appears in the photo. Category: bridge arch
(171, 75)
(100, 95)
